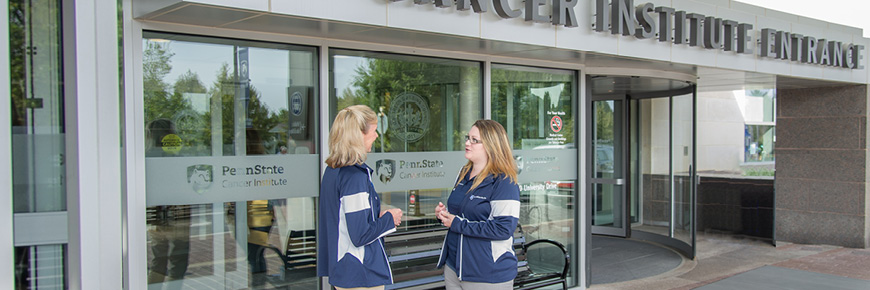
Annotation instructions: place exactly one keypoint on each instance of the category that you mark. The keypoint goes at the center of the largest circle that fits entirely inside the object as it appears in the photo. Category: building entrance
(641, 170)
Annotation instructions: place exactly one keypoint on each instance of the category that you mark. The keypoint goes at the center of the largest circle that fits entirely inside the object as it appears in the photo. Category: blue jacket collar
(488, 180)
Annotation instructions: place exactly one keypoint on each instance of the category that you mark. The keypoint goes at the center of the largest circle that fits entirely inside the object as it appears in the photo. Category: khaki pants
(451, 282)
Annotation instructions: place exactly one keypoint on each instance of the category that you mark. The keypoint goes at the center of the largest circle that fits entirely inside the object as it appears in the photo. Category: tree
(527, 107)
(258, 115)
(159, 101)
(189, 123)
(380, 81)
(603, 122)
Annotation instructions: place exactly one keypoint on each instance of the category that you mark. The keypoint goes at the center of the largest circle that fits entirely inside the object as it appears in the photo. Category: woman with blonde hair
(350, 243)
(482, 213)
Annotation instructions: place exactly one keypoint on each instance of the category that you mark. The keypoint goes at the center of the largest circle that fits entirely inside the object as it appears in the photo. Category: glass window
(744, 122)
(760, 141)
(426, 107)
(40, 267)
(37, 107)
(428, 103)
(536, 107)
(37, 120)
(760, 105)
(760, 129)
(231, 163)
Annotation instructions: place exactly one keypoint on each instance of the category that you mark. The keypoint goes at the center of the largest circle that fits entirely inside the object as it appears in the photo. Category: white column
(7, 252)
(93, 140)
(136, 262)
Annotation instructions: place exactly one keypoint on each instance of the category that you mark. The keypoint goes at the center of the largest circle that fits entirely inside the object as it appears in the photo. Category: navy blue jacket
(350, 244)
(485, 223)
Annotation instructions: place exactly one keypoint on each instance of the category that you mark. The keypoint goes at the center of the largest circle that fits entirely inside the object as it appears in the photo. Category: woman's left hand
(446, 218)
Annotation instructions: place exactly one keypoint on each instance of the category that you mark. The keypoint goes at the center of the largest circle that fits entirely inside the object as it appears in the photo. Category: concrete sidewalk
(727, 262)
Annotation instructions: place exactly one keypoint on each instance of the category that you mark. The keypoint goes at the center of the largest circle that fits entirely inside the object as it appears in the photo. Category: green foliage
(530, 110)
(379, 81)
(758, 93)
(603, 121)
(17, 58)
(31, 33)
(759, 172)
(159, 101)
(195, 127)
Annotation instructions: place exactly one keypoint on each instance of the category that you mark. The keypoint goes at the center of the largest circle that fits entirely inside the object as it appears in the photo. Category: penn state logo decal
(200, 177)
(385, 169)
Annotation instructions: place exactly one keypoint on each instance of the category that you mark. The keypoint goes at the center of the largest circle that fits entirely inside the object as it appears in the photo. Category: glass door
(607, 155)
(663, 179)
(38, 130)
(683, 160)
(231, 163)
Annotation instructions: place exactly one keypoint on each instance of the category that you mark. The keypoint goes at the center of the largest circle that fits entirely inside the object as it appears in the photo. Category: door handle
(617, 181)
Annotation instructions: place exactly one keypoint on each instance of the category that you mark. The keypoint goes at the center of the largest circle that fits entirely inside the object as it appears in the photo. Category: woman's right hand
(397, 215)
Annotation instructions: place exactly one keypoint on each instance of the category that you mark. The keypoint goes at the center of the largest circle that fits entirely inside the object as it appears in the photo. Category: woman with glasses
(482, 213)
(350, 245)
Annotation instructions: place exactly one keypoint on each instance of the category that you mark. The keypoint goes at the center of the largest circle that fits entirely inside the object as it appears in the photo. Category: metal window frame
(7, 250)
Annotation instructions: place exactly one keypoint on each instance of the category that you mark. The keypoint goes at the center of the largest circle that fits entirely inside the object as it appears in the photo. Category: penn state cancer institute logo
(200, 177)
(385, 169)
(409, 117)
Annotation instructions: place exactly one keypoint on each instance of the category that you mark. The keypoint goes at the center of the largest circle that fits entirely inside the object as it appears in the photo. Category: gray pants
(452, 282)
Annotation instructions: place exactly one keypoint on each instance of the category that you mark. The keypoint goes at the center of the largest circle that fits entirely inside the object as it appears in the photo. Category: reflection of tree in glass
(380, 80)
(758, 93)
(262, 119)
(26, 69)
(603, 121)
(530, 110)
(195, 126)
(156, 64)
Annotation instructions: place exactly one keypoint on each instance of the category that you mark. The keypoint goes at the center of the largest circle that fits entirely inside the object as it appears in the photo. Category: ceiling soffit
(709, 79)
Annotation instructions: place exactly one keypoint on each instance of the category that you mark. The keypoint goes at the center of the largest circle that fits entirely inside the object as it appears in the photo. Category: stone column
(821, 166)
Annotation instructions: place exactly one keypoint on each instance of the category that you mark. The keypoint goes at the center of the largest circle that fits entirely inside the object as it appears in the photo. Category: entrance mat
(617, 259)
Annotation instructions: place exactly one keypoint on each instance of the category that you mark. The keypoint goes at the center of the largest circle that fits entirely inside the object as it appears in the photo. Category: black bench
(529, 277)
(413, 255)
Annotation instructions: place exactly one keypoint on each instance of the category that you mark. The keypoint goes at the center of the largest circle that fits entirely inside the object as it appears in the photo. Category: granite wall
(741, 206)
(821, 166)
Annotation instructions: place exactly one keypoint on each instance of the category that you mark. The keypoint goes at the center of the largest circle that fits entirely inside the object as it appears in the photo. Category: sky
(847, 12)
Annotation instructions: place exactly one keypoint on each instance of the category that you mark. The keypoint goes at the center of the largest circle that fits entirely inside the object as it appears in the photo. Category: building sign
(713, 33)
(538, 165)
(666, 24)
(198, 180)
(555, 136)
(415, 170)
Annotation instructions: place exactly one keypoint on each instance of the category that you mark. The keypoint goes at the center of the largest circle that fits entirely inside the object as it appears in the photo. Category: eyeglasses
(473, 140)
